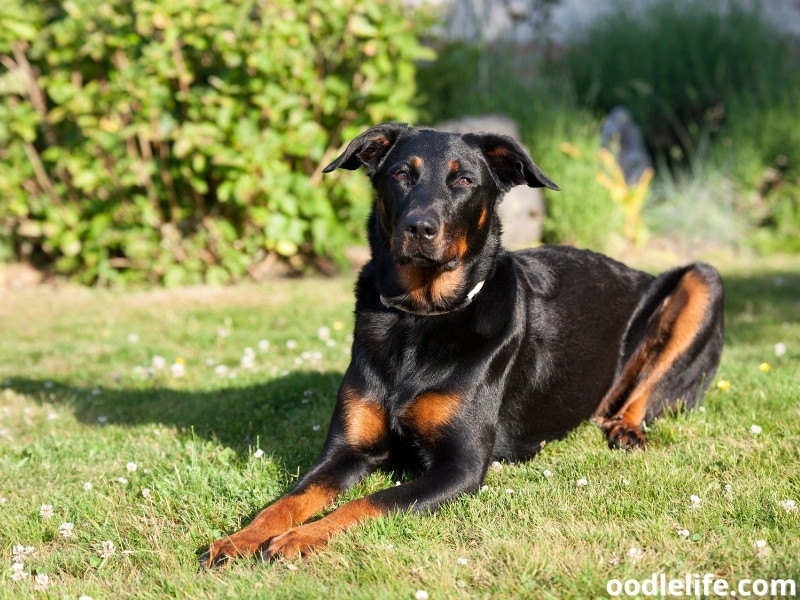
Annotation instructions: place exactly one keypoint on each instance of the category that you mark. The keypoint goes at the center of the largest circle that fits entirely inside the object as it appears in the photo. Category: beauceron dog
(465, 353)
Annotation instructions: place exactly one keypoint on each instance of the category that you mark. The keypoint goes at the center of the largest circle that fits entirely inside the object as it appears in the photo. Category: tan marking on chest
(430, 412)
(365, 421)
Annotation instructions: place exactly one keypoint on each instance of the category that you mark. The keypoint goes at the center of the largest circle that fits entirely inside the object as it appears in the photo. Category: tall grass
(678, 67)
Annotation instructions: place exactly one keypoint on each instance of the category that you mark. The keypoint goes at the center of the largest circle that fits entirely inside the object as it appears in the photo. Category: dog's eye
(401, 175)
(464, 181)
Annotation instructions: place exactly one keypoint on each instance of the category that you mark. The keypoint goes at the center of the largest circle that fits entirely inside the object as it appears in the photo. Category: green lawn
(83, 396)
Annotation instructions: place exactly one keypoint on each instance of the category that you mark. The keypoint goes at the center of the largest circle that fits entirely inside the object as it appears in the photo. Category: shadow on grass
(278, 416)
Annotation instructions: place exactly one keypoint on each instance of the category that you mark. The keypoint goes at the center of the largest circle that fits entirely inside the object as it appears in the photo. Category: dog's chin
(426, 262)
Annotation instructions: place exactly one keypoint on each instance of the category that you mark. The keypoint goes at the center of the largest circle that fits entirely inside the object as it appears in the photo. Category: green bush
(183, 141)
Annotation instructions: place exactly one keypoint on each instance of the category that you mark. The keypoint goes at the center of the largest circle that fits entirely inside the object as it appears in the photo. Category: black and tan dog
(464, 353)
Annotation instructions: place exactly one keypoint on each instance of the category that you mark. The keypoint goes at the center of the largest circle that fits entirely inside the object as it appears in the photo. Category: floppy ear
(368, 148)
(509, 162)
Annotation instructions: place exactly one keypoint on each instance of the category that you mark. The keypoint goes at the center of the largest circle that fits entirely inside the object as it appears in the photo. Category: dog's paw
(298, 542)
(623, 435)
(221, 551)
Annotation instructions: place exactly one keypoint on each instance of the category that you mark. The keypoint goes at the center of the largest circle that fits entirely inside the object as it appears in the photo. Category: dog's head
(434, 230)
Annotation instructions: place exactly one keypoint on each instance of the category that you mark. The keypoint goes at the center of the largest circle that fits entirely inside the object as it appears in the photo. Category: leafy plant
(183, 142)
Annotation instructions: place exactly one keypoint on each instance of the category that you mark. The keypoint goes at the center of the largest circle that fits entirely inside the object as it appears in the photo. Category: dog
(464, 353)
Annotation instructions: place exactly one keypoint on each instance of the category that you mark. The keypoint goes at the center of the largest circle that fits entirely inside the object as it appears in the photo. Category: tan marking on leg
(429, 412)
(282, 515)
(310, 537)
(365, 421)
(682, 314)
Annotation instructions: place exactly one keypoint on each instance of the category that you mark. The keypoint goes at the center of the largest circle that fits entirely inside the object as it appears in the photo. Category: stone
(624, 139)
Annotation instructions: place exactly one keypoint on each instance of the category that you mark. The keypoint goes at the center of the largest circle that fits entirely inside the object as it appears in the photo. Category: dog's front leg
(311, 495)
(456, 470)
(357, 443)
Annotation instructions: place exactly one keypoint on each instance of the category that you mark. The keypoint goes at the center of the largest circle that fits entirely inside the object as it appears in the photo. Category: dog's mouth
(424, 261)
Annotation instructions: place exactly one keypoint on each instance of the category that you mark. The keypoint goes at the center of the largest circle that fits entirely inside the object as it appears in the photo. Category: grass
(77, 404)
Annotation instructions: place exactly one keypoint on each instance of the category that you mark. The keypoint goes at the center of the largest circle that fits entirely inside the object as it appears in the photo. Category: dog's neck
(397, 303)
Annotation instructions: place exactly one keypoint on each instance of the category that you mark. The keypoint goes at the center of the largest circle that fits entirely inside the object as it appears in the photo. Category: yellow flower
(723, 384)
(764, 367)
(180, 361)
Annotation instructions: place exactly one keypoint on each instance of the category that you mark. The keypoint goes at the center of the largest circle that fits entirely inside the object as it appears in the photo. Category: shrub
(183, 141)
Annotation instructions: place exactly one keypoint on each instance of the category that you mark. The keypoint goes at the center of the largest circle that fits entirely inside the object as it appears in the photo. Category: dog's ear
(368, 148)
(510, 164)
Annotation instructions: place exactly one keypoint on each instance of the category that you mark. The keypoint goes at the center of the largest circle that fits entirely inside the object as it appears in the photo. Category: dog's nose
(421, 226)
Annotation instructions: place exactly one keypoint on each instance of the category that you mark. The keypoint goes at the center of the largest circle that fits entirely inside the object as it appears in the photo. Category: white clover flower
(102, 419)
(316, 427)
(131, 467)
(18, 572)
(87, 486)
(146, 493)
(755, 429)
(509, 491)
(635, 553)
(65, 530)
(547, 473)
(780, 349)
(133, 338)
(41, 581)
(496, 466)
(582, 482)
(158, 362)
(178, 368)
(485, 488)
(85, 597)
(683, 532)
(420, 595)
(291, 344)
(695, 500)
(461, 561)
(220, 370)
(762, 548)
(46, 511)
(107, 549)
(788, 505)
(3, 500)
(263, 345)
(122, 480)
(258, 453)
